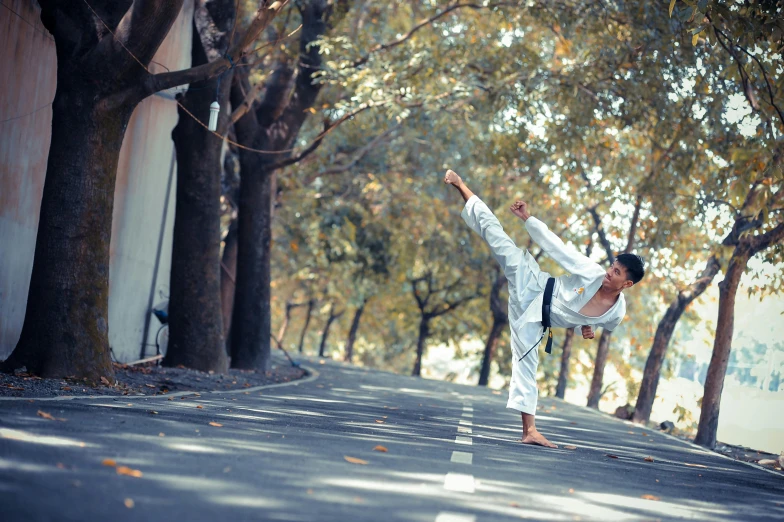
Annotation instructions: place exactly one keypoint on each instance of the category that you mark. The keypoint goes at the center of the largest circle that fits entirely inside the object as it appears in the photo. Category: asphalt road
(280, 454)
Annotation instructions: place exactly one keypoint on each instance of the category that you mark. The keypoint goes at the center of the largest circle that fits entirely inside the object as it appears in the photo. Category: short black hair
(635, 266)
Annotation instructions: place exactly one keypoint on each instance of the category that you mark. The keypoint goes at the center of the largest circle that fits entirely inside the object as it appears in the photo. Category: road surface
(307, 452)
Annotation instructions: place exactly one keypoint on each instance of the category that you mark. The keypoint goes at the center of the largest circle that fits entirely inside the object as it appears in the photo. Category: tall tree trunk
(722, 344)
(272, 125)
(595, 393)
(195, 313)
(424, 333)
(490, 345)
(308, 315)
(661, 340)
(352, 333)
(331, 319)
(498, 308)
(566, 355)
(250, 340)
(228, 281)
(65, 330)
(101, 78)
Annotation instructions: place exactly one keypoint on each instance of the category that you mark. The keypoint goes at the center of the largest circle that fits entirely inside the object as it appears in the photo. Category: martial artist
(588, 297)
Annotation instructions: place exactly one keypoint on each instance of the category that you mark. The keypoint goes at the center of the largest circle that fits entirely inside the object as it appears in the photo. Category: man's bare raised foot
(537, 439)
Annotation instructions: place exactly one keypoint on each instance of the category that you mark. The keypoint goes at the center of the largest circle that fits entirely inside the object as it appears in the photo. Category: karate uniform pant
(526, 282)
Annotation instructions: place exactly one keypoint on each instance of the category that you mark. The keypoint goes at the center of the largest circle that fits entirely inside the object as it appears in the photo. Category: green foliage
(603, 107)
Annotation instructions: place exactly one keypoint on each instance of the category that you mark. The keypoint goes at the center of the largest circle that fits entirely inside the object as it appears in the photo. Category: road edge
(312, 375)
(673, 437)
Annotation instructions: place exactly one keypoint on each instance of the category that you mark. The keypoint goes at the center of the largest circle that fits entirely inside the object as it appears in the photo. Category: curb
(312, 375)
(686, 442)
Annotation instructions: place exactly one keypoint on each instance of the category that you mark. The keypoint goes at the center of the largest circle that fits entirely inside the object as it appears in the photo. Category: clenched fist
(451, 178)
(520, 209)
(587, 332)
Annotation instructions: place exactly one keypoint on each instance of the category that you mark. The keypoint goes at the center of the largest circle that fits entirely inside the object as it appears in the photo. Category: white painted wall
(27, 82)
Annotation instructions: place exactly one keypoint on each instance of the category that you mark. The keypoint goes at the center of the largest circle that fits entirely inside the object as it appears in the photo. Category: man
(587, 297)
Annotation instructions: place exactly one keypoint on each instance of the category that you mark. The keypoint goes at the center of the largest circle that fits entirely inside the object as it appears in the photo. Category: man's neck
(608, 295)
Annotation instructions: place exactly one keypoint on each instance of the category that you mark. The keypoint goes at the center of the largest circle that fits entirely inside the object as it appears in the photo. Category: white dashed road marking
(445, 516)
(463, 440)
(462, 429)
(462, 457)
(459, 482)
(466, 422)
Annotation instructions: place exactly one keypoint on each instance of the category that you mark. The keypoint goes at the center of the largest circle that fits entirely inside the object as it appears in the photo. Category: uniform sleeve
(570, 259)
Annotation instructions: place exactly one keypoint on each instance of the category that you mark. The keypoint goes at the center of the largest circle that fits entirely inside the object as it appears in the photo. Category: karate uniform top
(527, 281)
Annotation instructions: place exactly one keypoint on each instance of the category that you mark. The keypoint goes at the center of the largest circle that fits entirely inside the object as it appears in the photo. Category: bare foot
(537, 439)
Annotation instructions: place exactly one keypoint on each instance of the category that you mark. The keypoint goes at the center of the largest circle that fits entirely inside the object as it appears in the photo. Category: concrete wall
(27, 83)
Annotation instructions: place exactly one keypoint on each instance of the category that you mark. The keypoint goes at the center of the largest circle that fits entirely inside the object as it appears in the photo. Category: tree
(271, 127)
(500, 321)
(755, 229)
(196, 338)
(661, 341)
(102, 75)
(563, 374)
(334, 315)
(449, 298)
(352, 333)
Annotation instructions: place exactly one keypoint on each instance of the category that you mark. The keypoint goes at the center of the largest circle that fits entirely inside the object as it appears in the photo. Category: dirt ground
(146, 379)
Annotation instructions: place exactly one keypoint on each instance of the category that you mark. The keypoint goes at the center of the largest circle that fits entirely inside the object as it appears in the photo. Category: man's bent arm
(570, 259)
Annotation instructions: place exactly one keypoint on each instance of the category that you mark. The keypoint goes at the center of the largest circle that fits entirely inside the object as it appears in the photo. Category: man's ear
(628, 284)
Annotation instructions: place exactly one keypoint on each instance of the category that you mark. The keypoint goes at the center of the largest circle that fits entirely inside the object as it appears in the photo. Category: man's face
(616, 278)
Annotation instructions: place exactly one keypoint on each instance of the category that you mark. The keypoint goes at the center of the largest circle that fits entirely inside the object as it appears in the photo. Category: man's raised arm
(570, 259)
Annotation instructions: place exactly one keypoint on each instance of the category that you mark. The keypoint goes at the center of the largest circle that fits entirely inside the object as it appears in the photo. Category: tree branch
(337, 169)
(602, 235)
(264, 15)
(763, 241)
(424, 23)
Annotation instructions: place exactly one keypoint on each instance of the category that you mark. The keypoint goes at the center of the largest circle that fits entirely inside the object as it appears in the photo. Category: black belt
(548, 298)
(546, 307)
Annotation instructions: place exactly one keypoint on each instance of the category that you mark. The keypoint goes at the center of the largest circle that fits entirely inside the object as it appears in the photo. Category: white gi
(526, 289)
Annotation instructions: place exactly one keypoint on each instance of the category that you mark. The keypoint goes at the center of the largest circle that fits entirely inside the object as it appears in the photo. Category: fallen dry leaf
(66, 388)
(571, 490)
(105, 381)
(355, 460)
(648, 459)
(216, 424)
(514, 504)
(570, 447)
(129, 503)
(379, 421)
(161, 434)
(125, 470)
(650, 497)
(382, 449)
(695, 465)
(150, 385)
(611, 456)
(109, 462)
(48, 416)
(200, 407)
